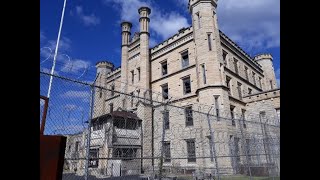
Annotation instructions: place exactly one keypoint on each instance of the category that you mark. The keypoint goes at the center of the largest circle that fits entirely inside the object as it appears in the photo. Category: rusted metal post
(44, 115)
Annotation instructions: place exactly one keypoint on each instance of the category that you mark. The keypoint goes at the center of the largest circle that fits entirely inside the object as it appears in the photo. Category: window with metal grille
(191, 150)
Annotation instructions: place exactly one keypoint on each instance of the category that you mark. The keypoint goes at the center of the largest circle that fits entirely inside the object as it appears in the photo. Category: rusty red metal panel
(52, 150)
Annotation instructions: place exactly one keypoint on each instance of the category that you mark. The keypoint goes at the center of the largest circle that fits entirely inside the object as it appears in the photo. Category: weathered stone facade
(219, 71)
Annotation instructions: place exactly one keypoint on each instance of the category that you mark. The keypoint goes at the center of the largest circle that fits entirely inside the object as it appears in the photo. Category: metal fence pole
(246, 148)
(162, 142)
(89, 128)
(213, 149)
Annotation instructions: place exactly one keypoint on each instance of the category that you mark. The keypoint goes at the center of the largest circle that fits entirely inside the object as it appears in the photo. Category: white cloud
(87, 20)
(64, 44)
(254, 25)
(70, 107)
(76, 66)
(164, 24)
(170, 23)
(76, 94)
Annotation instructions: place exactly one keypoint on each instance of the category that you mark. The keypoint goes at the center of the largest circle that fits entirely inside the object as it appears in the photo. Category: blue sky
(91, 30)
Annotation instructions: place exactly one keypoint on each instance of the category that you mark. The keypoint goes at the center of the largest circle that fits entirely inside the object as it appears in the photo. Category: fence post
(244, 144)
(213, 149)
(162, 143)
(89, 127)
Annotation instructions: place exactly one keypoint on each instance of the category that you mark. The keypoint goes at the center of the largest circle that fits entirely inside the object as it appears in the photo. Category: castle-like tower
(198, 68)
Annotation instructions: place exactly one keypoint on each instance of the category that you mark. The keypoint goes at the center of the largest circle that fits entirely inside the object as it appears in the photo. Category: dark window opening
(186, 85)
(228, 79)
(164, 68)
(94, 158)
(204, 74)
(185, 59)
(191, 150)
(224, 57)
(189, 116)
(166, 120)
(233, 122)
(121, 123)
(125, 153)
(165, 91)
(235, 62)
(209, 41)
(166, 150)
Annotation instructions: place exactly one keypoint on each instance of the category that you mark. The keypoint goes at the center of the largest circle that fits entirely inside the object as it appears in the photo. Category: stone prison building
(169, 90)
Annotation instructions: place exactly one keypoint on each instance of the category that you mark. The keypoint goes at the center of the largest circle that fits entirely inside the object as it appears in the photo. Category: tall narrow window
(260, 83)
(131, 102)
(271, 84)
(233, 122)
(112, 90)
(224, 57)
(191, 150)
(132, 76)
(166, 120)
(243, 114)
(209, 41)
(239, 90)
(198, 19)
(189, 116)
(138, 69)
(186, 85)
(164, 68)
(203, 68)
(235, 63)
(76, 149)
(249, 91)
(166, 150)
(165, 91)
(216, 104)
(100, 92)
(111, 107)
(246, 72)
(185, 59)
(254, 78)
(228, 79)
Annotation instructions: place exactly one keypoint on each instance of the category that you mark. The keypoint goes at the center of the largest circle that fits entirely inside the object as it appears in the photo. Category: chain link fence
(113, 135)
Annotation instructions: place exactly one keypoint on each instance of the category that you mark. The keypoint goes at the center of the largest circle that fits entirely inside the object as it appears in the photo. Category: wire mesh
(138, 134)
